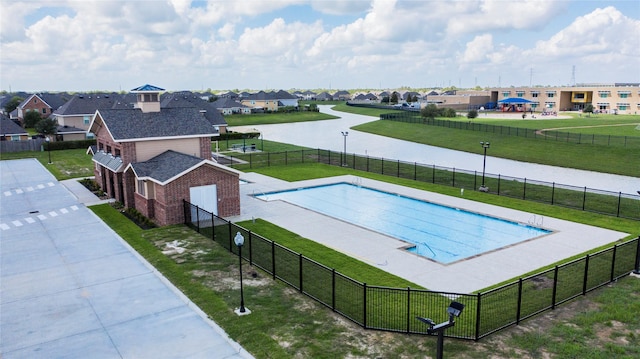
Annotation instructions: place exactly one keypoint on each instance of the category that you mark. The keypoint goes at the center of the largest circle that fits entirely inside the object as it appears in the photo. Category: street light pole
(345, 134)
(239, 241)
(48, 140)
(484, 145)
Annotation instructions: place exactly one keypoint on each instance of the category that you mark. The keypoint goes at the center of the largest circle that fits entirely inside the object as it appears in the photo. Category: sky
(107, 45)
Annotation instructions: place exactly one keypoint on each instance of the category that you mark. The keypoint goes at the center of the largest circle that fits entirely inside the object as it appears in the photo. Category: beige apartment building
(619, 98)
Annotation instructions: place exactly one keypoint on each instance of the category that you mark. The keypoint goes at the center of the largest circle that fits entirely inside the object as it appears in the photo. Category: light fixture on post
(239, 241)
(484, 188)
(48, 140)
(345, 134)
(454, 310)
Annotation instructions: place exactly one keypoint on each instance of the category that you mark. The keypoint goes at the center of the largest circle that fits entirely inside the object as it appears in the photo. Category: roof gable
(125, 125)
(170, 165)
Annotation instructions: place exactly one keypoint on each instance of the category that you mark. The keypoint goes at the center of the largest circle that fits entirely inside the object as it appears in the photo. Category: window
(86, 120)
(140, 188)
(551, 94)
(519, 93)
(535, 93)
(117, 152)
(15, 137)
(108, 149)
(624, 94)
(35, 100)
(550, 104)
(90, 136)
(506, 93)
(100, 146)
(44, 110)
(623, 106)
(604, 94)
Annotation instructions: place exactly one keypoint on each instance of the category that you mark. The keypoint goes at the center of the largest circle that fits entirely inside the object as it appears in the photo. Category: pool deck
(465, 276)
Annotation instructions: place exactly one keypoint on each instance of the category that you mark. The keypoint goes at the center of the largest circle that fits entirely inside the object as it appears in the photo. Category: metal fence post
(250, 248)
(230, 237)
(524, 189)
(333, 289)
(637, 269)
(364, 305)
(519, 308)
(408, 310)
(300, 271)
(273, 259)
(555, 287)
(584, 197)
(478, 309)
(553, 192)
(198, 218)
(613, 262)
(586, 275)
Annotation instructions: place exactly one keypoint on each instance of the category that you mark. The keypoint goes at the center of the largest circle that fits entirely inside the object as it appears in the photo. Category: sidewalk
(72, 288)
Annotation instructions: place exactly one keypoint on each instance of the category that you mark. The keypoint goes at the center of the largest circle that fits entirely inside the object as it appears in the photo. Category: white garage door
(205, 197)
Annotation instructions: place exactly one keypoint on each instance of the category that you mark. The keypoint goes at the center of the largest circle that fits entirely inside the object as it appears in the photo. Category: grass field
(275, 118)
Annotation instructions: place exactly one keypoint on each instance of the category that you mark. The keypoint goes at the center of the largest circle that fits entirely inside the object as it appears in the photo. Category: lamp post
(484, 145)
(454, 310)
(345, 134)
(48, 140)
(239, 241)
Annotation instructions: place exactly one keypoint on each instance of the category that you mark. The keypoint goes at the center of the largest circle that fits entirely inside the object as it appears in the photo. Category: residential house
(324, 96)
(44, 103)
(342, 95)
(74, 117)
(11, 131)
(229, 106)
(189, 99)
(152, 158)
(269, 101)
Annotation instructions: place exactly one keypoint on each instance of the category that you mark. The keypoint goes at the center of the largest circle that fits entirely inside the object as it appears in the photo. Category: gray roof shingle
(165, 166)
(131, 124)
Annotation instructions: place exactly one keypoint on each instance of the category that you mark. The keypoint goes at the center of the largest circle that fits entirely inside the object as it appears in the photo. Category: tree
(394, 97)
(472, 114)
(31, 119)
(449, 112)
(588, 109)
(429, 111)
(385, 99)
(47, 126)
(213, 98)
(13, 104)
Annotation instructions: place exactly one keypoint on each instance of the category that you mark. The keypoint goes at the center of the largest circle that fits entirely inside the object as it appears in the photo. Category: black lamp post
(454, 310)
(484, 145)
(345, 134)
(48, 140)
(239, 241)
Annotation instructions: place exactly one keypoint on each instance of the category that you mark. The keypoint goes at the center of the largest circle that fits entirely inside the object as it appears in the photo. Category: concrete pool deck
(465, 276)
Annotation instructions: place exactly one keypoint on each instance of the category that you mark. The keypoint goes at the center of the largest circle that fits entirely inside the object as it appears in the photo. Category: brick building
(151, 158)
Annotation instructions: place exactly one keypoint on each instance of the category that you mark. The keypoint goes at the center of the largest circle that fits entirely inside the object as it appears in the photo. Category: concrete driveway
(72, 288)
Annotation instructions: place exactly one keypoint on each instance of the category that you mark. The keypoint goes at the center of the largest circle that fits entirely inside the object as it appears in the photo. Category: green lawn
(607, 159)
(65, 164)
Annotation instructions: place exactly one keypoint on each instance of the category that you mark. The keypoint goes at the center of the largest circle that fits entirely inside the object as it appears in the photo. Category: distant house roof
(227, 102)
(87, 104)
(147, 88)
(62, 130)
(188, 99)
(126, 125)
(169, 166)
(53, 100)
(8, 128)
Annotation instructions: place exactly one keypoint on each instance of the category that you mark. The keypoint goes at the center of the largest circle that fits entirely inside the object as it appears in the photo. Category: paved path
(71, 287)
(327, 135)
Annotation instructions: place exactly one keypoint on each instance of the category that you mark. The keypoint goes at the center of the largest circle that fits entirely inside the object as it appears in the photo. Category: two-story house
(152, 158)
(44, 103)
(74, 117)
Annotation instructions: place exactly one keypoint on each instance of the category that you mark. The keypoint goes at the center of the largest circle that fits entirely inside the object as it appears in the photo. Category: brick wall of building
(169, 207)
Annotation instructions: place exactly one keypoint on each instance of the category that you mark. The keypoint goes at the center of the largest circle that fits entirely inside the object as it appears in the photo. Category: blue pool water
(441, 233)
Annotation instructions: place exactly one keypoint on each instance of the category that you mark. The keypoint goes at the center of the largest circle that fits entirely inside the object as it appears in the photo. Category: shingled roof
(165, 166)
(87, 104)
(132, 124)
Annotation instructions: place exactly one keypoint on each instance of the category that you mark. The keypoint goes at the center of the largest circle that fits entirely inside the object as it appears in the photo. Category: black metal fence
(617, 204)
(559, 136)
(395, 309)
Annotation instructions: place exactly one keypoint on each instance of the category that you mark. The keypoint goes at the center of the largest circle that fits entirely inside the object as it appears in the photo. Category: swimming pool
(443, 234)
